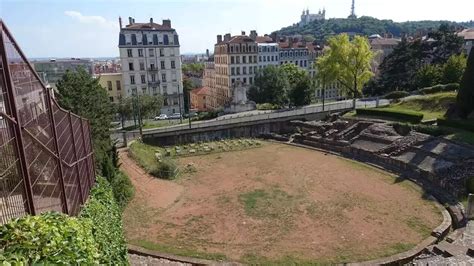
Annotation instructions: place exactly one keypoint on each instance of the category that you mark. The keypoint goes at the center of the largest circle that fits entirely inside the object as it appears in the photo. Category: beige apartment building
(112, 83)
(235, 59)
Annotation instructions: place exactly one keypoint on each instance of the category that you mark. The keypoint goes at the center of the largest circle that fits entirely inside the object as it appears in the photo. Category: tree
(300, 89)
(446, 43)
(427, 76)
(150, 106)
(187, 87)
(269, 86)
(79, 92)
(465, 98)
(346, 62)
(124, 108)
(453, 69)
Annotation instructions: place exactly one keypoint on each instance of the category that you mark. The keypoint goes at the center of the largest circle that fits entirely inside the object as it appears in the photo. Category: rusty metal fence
(46, 157)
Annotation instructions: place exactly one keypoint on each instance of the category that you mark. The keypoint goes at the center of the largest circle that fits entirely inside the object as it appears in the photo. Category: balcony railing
(154, 83)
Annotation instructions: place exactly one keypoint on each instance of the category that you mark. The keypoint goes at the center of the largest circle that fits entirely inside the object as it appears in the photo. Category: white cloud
(91, 20)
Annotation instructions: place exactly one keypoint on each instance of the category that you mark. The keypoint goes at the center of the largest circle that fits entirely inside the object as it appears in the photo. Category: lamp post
(180, 108)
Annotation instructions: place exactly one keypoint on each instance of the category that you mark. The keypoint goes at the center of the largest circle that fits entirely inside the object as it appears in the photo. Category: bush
(431, 130)
(408, 116)
(267, 106)
(470, 184)
(452, 87)
(208, 115)
(106, 216)
(50, 238)
(122, 188)
(396, 95)
(459, 124)
(165, 169)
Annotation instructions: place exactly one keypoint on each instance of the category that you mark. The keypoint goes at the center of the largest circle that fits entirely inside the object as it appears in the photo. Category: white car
(161, 117)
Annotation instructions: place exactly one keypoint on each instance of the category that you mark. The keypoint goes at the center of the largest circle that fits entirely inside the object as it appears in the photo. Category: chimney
(219, 38)
(227, 37)
(243, 33)
(133, 20)
(167, 23)
(253, 35)
(130, 21)
(120, 22)
(151, 20)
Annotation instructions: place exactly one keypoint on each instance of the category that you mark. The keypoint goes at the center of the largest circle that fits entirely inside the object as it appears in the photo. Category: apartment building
(235, 59)
(112, 83)
(151, 62)
(51, 71)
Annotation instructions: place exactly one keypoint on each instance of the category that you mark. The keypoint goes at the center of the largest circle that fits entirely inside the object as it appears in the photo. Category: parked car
(175, 116)
(161, 117)
(190, 115)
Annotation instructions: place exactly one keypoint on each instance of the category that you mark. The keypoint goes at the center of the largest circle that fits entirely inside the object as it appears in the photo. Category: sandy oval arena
(277, 204)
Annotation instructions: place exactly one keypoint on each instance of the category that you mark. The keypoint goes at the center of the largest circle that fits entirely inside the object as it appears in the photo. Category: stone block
(192, 151)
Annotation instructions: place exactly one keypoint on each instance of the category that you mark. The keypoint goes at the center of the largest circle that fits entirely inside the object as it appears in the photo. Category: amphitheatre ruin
(338, 190)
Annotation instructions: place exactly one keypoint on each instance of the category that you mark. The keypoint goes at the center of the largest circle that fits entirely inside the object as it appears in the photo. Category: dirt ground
(278, 202)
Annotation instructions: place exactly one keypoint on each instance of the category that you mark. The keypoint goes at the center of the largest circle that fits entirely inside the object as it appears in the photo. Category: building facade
(235, 59)
(307, 18)
(468, 36)
(151, 62)
(112, 83)
(51, 71)
(201, 99)
(268, 54)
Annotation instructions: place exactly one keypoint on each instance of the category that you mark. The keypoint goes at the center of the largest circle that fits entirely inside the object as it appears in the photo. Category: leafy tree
(453, 69)
(465, 98)
(197, 68)
(149, 105)
(269, 86)
(187, 87)
(446, 43)
(346, 62)
(79, 92)
(124, 108)
(300, 89)
(427, 76)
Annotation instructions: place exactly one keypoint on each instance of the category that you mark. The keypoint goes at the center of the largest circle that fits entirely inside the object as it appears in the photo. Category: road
(269, 114)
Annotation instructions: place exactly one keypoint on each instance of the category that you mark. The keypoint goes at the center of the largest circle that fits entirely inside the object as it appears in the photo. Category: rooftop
(201, 91)
(467, 34)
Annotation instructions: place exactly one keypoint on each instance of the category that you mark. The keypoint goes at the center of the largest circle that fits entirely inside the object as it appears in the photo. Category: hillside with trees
(321, 30)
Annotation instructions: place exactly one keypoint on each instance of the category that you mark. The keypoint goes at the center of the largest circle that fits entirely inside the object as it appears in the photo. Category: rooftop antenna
(353, 10)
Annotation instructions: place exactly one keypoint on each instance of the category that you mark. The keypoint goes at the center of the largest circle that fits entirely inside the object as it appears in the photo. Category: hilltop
(321, 29)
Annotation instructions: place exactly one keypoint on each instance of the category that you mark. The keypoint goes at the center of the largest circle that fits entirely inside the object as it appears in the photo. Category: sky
(89, 28)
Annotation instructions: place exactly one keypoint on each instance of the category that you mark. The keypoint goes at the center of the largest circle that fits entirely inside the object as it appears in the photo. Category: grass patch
(186, 252)
(273, 204)
(462, 136)
(393, 113)
(419, 226)
(144, 154)
(431, 106)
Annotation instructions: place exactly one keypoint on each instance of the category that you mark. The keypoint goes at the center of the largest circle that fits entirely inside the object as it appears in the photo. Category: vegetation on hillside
(321, 30)
(465, 99)
(95, 237)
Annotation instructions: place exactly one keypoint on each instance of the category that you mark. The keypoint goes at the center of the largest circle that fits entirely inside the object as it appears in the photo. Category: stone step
(449, 249)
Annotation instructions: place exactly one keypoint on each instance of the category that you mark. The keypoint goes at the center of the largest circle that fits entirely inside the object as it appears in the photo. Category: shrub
(165, 169)
(460, 124)
(440, 88)
(267, 106)
(470, 184)
(452, 87)
(408, 116)
(106, 216)
(122, 188)
(208, 115)
(431, 130)
(396, 95)
(50, 238)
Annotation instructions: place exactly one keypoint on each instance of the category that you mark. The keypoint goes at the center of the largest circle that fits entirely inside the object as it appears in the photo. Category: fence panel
(41, 163)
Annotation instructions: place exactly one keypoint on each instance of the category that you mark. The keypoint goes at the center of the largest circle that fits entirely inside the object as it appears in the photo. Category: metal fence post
(20, 150)
(75, 157)
(56, 146)
(90, 167)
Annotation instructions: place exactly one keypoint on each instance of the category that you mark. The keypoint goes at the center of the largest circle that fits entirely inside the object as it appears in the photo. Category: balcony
(152, 69)
(154, 83)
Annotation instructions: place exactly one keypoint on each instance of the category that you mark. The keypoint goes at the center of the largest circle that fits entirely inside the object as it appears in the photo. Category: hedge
(459, 124)
(440, 88)
(95, 237)
(408, 116)
(396, 95)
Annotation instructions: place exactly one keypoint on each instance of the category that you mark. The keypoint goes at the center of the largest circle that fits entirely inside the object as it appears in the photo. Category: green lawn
(156, 124)
(462, 136)
(432, 106)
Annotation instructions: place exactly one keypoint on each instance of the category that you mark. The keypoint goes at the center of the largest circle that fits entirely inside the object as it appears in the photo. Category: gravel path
(145, 260)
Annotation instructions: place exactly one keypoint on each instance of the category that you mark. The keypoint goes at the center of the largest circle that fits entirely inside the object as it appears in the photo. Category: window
(143, 78)
(250, 70)
(163, 77)
(232, 59)
(111, 99)
(232, 71)
(129, 53)
(144, 90)
(165, 39)
(173, 66)
(273, 58)
(109, 85)
(238, 70)
(251, 80)
(130, 66)
(244, 59)
(165, 89)
(162, 52)
(245, 80)
(260, 58)
(233, 81)
(162, 64)
(154, 91)
(132, 79)
(142, 66)
(140, 52)
(237, 59)
(151, 52)
(153, 77)
(117, 84)
(244, 70)
(268, 58)
(152, 66)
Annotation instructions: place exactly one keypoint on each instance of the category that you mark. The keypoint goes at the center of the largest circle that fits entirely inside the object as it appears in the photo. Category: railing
(46, 157)
(240, 118)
